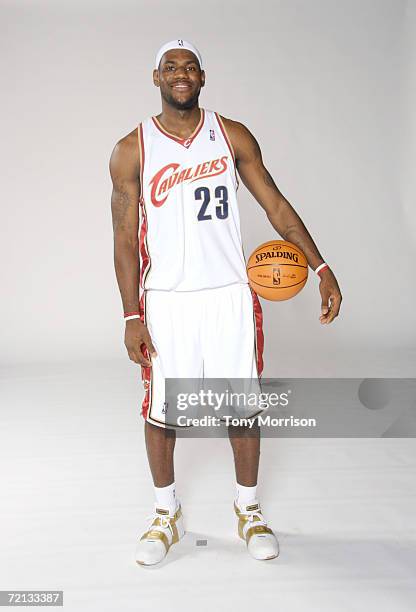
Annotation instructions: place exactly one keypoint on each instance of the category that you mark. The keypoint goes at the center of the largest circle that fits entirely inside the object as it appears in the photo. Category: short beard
(191, 103)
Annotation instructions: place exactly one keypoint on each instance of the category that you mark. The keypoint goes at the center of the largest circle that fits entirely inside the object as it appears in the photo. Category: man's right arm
(125, 175)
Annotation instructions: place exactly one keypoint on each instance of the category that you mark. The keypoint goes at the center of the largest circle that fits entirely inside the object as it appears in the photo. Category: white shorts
(210, 333)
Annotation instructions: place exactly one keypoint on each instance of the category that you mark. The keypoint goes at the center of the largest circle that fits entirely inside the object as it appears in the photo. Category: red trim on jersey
(143, 248)
(145, 264)
(258, 315)
(182, 141)
(146, 371)
(228, 141)
(144, 255)
(141, 157)
(147, 377)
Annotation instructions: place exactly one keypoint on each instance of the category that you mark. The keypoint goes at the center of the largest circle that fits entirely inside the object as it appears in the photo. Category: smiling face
(180, 78)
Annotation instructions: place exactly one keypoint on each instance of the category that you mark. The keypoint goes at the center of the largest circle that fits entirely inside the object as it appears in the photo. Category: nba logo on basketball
(276, 276)
(211, 135)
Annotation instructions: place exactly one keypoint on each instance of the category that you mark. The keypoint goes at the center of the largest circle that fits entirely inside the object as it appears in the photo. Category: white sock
(166, 497)
(245, 495)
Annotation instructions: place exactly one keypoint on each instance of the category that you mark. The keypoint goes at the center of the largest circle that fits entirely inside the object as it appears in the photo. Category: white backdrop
(327, 88)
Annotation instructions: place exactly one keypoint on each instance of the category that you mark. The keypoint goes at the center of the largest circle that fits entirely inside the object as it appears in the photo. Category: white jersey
(189, 226)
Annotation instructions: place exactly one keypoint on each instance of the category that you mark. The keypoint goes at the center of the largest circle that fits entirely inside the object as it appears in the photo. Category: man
(189, 310)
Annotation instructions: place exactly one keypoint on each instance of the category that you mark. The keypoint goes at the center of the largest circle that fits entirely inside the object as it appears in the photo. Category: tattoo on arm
(120, 205)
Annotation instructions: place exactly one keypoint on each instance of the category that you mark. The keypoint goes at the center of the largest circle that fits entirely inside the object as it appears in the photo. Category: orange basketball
(277, 270)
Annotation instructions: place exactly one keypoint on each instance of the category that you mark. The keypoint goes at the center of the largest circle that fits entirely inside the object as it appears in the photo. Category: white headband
(177, 44)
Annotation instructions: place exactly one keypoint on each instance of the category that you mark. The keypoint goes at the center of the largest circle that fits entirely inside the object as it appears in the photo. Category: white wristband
(131, 317)
(320, 267)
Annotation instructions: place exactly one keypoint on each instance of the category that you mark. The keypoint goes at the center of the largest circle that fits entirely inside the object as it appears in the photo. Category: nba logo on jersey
(211, 135)
(165, 407)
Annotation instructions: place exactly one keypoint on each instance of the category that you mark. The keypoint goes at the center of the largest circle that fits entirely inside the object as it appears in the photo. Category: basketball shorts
(209, 333)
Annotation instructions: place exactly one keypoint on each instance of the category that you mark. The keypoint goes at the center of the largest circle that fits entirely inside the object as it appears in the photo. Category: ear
(156, 77)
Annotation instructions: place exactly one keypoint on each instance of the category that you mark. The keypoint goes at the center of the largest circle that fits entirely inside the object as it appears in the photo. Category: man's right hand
(135, 335)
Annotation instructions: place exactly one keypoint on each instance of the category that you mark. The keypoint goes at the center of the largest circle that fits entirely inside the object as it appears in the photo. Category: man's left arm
(280, 212)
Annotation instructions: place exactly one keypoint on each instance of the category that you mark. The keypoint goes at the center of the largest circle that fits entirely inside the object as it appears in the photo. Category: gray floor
(77, 488)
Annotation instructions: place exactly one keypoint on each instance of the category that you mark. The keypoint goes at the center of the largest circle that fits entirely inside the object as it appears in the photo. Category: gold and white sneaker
(163, 530)
(261, 542)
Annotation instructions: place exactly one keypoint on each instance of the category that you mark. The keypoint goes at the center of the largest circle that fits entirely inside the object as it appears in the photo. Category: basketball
(277, 270)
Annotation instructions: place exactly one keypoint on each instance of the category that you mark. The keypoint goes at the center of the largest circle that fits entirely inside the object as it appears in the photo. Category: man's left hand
(331, 296)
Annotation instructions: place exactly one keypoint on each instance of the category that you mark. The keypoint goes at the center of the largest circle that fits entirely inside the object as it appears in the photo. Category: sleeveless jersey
(189, 224)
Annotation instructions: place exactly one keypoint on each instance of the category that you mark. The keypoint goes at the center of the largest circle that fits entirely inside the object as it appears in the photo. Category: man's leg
(233, 323)
(166, 526)
(160, 445)
(252, 527)
(245, 442)
(173, 321)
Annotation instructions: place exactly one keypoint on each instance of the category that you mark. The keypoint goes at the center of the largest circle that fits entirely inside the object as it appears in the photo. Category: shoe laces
(163, 520)
(255, 517)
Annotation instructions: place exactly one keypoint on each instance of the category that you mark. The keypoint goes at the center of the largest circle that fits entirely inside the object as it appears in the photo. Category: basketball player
(189, 310)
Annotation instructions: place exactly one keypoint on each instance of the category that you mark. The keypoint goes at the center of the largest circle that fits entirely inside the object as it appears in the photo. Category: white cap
(179, 43)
